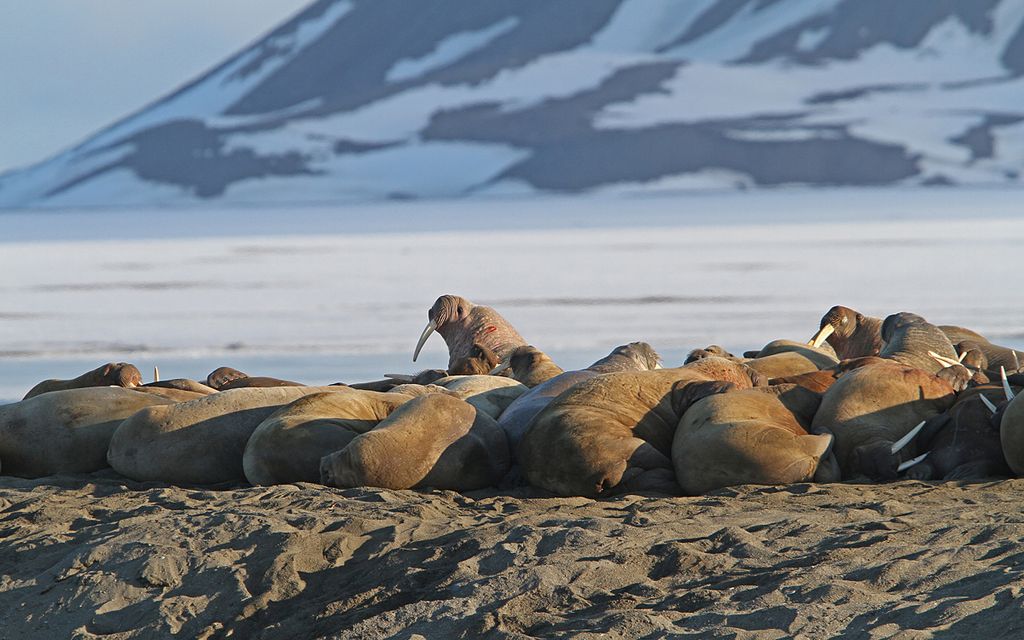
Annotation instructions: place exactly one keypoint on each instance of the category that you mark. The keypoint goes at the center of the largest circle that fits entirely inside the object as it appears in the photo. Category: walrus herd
(865, 399)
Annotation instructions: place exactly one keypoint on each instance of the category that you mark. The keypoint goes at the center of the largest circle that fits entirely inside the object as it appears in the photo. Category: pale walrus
(614, 432)
(462, 323)
(753, 436)
(871, 409)
(529, 365)
(112, 374)
(490, 394)
(288, 445)
(65, 431)
(792, 362)
(635, 356)
(200, 441)
(431, 441)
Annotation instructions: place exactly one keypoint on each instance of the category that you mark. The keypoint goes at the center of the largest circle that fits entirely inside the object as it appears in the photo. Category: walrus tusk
(905, 440)
(943, 360)
(1006, 384)
(423, 338)
(156, 373)
(1016, 362)
(909, 463)
(962, 356)
(988, 403)
(501, 367)
(398, 377)
(822, 334)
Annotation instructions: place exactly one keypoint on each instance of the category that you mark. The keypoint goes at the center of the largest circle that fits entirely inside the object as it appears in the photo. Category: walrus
(963, 443)
(635, 356)
(462, 323)
(871, 408)
(613, 433)
(490, 394)
(753, 436)
(200, 441)
(851, 334)
(709, 351)
(288, 445)
(529, 365)
(181, 384)
(65, 431)
(821, 354)
(1011, 428)
(111, 374)
(912, 341)
(392, 380)
(431, 441)
(226, 378)
(791, 362)
(480, 361)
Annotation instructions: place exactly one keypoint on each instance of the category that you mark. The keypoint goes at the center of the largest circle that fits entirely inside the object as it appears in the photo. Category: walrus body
(1011, 433)
(288, 445)
(181, 384)
(200, 441)
(65, 431)
(822, 354)
(531, 366)
(870, 408)
(791, 363)
(908, 340)
(635, 356)
(614, 432)
(112, 374)
(431, 441)
(490, 394)
(753, 436)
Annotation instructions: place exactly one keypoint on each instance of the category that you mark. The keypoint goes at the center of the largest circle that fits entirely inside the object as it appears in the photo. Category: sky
(71, 67)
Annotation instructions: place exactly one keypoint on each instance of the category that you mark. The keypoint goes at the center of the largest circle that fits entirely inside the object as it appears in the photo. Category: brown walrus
(529, 365)
(200, 441)
(112, 374)
(752, 436)
(851, 334)
(288, 445)
(462, 323)
(431, 441)
(479, 362)
(65, 431)
(871, 408)
(226, 378)
(614, 432)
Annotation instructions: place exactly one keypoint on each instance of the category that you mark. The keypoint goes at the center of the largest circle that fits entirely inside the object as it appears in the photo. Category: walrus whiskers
(1006, 384)
(905, 440)
(909, 463)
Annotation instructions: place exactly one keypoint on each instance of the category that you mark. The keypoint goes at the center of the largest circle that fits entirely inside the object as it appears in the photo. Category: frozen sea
(340, 293)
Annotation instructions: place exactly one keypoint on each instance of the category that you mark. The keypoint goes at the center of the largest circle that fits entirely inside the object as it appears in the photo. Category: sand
(97, 555)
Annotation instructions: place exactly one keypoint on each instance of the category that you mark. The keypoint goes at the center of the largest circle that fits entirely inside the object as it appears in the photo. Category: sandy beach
(99, 556)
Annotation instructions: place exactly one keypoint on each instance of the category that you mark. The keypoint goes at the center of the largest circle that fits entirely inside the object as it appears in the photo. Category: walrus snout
(122, 374)
(326, 474)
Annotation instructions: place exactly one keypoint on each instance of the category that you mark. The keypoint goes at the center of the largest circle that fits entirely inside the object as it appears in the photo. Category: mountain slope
(363, 99)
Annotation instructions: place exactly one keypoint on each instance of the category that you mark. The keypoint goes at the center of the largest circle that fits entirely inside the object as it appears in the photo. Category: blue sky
(70, 67)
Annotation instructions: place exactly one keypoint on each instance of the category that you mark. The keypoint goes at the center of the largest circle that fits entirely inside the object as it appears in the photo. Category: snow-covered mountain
(365, 99)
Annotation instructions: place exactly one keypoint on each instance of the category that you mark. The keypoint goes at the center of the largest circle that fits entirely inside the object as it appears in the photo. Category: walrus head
(839, 320)
(897, 321)
(480, 361)
(521, 360)
(646, 358)
(446, 311)
(709, 351)
(121, 374)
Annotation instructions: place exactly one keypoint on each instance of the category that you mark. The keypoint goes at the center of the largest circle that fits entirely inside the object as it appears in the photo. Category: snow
(450, 50)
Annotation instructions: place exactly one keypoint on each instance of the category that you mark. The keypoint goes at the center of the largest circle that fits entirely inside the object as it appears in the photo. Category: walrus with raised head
(288, 445)
(851, 334)
(462, 324)
(752, 436)
(431, 441)
(871, 409)
(112, 374)
(200, 441)
(912, 341)
(613, 433)
(65, 431)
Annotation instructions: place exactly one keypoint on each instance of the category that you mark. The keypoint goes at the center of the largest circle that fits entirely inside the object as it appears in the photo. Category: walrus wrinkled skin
(112, 374)
(791, 362)
(635, 356)
(870, 408)
(288, 445)
(65, 431)
(490, 394)
(529, 365)
(479, 362)
(710, 351)
(613, 433)
(200, 441)
(822, 354)
(908, 339)
(963, 443)
(431, 441)
(753, 436)
(462, 323)
(851, 334)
